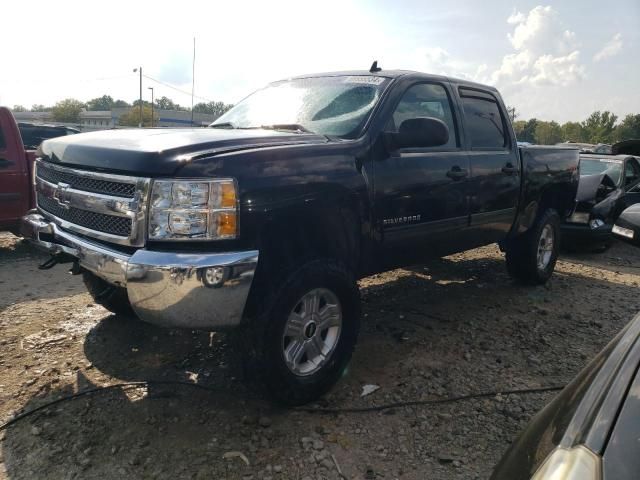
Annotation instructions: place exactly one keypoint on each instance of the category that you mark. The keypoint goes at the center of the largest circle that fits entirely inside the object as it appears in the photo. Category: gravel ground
(455, 326)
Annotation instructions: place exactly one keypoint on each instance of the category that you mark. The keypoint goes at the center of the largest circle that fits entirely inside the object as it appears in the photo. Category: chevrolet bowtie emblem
(61, 195)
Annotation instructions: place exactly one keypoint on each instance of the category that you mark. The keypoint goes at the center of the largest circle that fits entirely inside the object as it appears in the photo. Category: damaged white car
(608, 185)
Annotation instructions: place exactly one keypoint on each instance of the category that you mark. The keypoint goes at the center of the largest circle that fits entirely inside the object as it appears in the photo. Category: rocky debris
(369, 389)
(460, 339)
(235, 454)
(265, 422)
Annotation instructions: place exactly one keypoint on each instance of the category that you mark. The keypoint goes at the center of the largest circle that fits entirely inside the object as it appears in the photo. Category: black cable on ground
(387, 406)
(375, 408)
(124, 386)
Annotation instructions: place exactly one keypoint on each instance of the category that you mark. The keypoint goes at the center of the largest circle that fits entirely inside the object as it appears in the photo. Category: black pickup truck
(266, 220)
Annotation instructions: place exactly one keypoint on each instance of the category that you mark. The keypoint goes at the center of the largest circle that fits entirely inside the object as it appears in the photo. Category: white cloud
(545, 51)
(439, 61)
(562, 71)
(515, 18)
(610, 49)
(541, 32)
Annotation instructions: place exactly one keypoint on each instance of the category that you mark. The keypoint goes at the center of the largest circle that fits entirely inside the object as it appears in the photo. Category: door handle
(457, 173)
(509, 169)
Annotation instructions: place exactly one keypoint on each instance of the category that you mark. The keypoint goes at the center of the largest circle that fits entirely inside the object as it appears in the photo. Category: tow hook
(75, 268)
(55, 260)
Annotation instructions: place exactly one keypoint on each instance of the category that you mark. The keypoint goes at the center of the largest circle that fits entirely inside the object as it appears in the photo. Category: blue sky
(551, 60)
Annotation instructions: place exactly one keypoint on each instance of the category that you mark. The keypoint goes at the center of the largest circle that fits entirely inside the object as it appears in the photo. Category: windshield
(336, 106)
(613, 168)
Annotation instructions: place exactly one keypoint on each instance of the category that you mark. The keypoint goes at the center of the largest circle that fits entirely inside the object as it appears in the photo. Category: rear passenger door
(495, 175)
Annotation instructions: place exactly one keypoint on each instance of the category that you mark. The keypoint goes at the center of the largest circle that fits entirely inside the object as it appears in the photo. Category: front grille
(100, 222)
(107, 187)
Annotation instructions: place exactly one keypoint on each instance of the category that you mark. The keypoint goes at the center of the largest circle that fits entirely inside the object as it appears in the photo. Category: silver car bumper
(192, 290)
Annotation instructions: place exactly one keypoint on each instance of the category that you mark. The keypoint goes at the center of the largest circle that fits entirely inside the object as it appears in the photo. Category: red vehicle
(16, 165)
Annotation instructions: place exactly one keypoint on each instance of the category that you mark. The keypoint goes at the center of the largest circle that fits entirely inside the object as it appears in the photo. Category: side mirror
(422, 132)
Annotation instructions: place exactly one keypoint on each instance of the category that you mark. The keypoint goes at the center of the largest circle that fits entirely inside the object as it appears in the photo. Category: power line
(168, 85)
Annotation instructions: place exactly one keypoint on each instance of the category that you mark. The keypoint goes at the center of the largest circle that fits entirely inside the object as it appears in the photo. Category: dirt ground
(453, 327)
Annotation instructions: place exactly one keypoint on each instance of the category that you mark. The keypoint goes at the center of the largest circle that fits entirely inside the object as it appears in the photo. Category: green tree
(120, 104)
(518, 128)
(599, 127)
(572, 132)
(19, 108)
(525, 130)
(548, 133)
(132, 117)
(165, 103)
(144, 103)
(38, 107)
(67, 110)
(212, 108)
(104, 102)
(628, 129)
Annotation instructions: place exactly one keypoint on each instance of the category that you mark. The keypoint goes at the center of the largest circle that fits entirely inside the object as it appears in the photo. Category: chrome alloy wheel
(312, 331)
(545, 247)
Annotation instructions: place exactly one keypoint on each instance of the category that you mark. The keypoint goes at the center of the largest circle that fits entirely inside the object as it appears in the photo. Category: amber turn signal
(227, 195)
(227, 224)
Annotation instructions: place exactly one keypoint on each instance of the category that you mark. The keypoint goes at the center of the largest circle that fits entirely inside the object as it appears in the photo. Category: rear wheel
(531, 258)
(305, 336)
(114, 299)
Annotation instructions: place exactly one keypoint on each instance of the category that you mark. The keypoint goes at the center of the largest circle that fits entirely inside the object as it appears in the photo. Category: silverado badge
(401, 220)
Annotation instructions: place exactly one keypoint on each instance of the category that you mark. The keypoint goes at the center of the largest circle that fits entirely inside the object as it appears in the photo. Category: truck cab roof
(392, 74)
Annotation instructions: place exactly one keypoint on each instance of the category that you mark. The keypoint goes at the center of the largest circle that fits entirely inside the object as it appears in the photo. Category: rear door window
(485, 124)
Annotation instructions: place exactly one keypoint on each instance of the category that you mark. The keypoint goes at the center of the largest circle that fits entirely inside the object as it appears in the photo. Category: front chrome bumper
(191, 290)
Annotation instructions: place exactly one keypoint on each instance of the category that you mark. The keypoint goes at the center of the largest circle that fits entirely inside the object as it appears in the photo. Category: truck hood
(158, 152)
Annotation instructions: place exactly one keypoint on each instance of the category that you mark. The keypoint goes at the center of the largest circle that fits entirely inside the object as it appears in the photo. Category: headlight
(578, 463)
(624, 232)
(186, 209)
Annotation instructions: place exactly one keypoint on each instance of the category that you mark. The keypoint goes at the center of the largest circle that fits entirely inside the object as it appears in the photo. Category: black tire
(114, 299)
(522, 252)
(263, 342)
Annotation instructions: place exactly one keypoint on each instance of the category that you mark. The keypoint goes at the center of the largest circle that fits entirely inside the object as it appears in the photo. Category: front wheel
(305, 338)
(531, 258)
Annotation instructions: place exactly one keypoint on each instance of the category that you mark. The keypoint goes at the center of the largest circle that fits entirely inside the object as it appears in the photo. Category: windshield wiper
(222, 125)
(296, 127)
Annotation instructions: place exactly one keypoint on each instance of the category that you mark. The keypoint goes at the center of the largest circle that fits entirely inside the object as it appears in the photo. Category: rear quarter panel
(550, 180)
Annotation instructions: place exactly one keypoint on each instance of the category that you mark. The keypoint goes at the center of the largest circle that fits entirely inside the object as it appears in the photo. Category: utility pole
(151, 88)
(193, 77)
(135, 70)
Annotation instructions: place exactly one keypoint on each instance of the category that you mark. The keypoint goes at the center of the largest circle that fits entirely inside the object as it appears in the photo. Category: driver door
(421, 193)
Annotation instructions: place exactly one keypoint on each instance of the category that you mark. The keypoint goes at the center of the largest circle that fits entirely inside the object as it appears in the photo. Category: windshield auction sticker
(369, 80)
